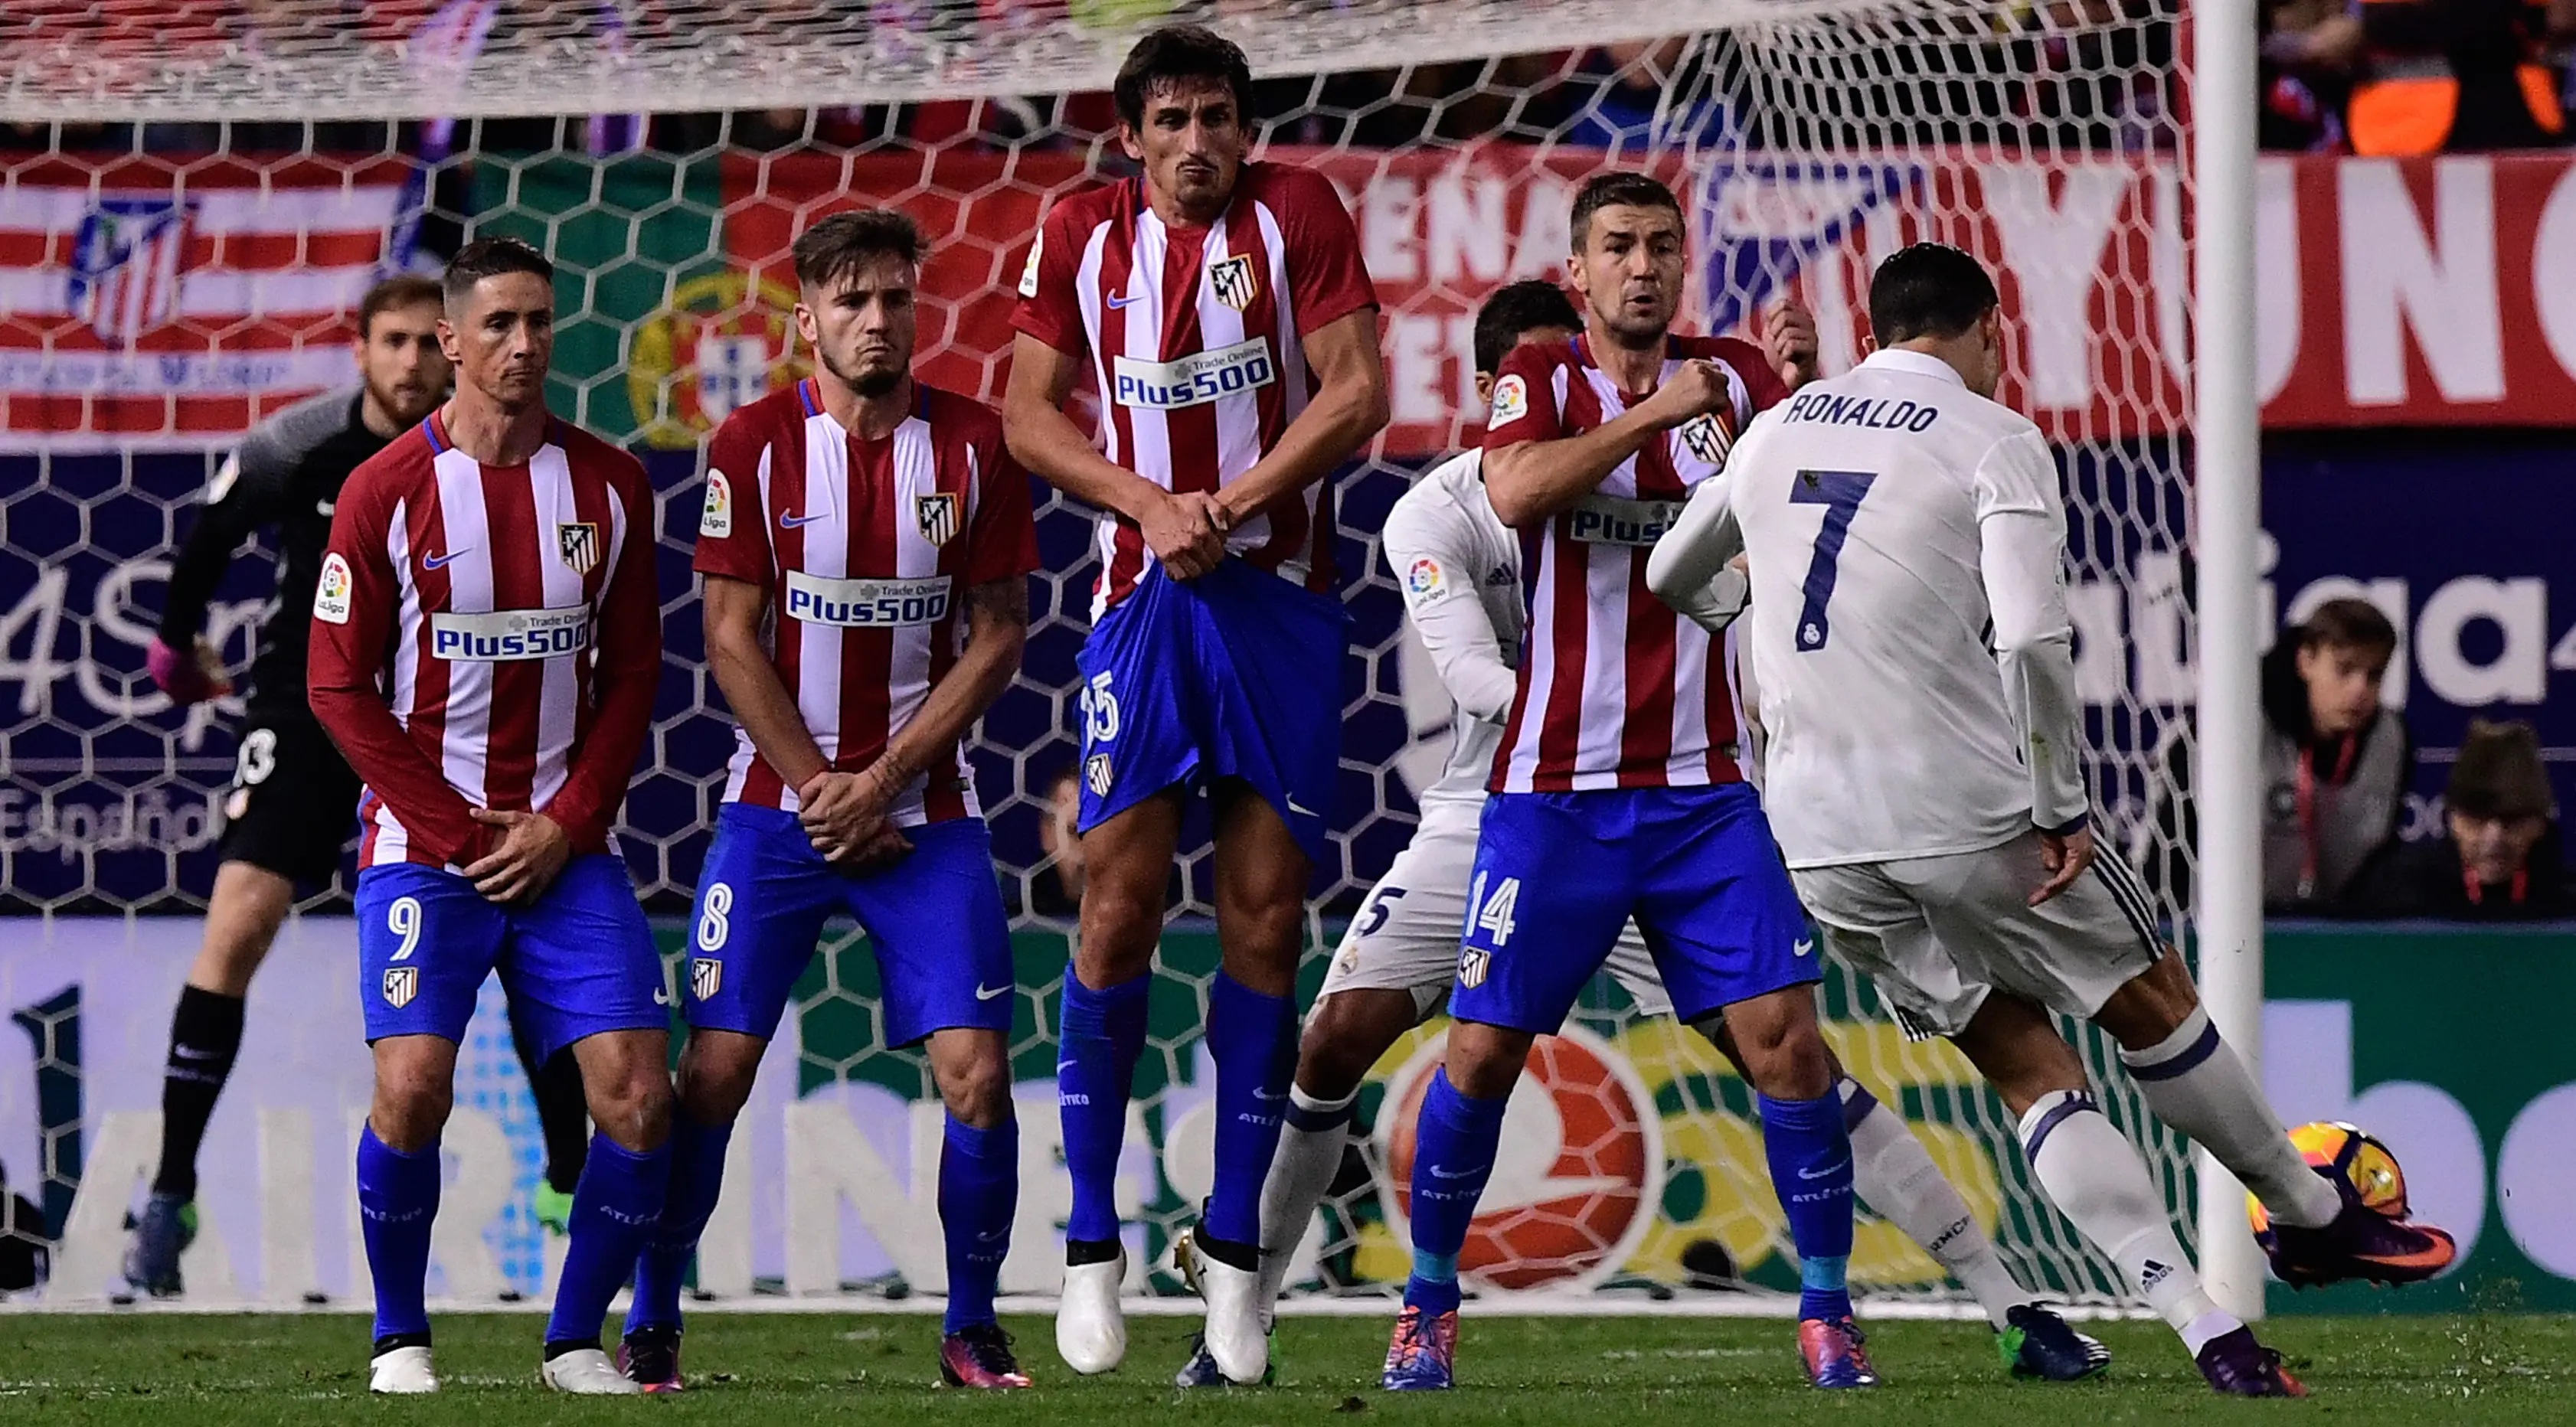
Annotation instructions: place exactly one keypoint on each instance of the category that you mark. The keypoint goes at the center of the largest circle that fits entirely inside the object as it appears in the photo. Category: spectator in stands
(1643, 99)
(2309, 50)
(2336, 763)
(2503, 861)
(2455, 76)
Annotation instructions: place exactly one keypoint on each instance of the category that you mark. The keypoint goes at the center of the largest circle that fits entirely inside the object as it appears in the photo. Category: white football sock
(2195, 1083)
(2095, 1178)
(1897, 1179)
(1311, 1137)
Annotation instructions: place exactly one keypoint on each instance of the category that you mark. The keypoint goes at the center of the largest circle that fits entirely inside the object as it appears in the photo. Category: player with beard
(294, 800)
(866, 543)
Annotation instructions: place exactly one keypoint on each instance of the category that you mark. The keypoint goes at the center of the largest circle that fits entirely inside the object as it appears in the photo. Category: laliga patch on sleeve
(717, 518)
(1423, 579)
(331, 594)
(1029, 274)
(1511, 402)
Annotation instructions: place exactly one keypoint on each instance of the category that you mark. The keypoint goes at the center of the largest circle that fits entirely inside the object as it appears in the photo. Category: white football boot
(1090, 1327)
(402, 1370)
(588, 1372)
(1235, 1336)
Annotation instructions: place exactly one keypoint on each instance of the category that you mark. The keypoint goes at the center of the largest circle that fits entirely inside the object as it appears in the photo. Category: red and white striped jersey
(866, 550)
(1616, 690)
(1194, 338)
(487, 637)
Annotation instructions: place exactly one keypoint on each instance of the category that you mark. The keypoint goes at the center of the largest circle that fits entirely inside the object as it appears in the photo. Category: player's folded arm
(1692, 567)
(1533, 467)
(351, 637)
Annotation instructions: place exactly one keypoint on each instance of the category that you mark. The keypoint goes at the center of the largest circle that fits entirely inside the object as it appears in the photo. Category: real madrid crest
(1234, 282)
(936, 515)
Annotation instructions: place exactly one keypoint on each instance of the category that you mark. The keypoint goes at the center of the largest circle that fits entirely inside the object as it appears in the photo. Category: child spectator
(2503, 861)
(2335, 765)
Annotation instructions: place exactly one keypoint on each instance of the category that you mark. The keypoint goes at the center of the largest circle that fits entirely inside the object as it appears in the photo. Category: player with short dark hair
(1222, 309)
(486, 646)
(1615, 794)
(866, 543)
(1907, 540)
(294, 801)
(1458, 569)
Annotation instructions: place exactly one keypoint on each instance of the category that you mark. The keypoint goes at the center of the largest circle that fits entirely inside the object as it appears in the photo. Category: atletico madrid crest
(936, 515)
(1234, 282)
(1708, 438)
(706, 977)
(401, 984)
(578, 543)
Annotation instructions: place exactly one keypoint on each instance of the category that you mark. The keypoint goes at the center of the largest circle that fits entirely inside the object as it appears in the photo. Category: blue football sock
(1099, 1036)
(979, 1191)
(697, 1178)
(615, 1205)
(1453, 1156)
(1253, 1039)
(397, 1199)
(1811, 1169)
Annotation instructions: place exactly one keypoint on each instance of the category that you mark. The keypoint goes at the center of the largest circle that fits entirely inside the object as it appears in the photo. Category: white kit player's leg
(2194, 1082)
(1895, 1176)
(2094, 1176)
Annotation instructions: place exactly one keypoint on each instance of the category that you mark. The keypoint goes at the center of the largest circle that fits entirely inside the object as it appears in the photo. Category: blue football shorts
(1558, 875)
(578, 961)
(934, 919)
(1235, 674)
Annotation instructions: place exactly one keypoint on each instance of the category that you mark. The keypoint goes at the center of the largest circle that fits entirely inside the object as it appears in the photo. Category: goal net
(197, 193)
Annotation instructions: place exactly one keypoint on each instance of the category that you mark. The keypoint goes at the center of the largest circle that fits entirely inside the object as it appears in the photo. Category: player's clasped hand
(844, 815)
(1697, 389)
(1186, 532)
(1789, 339)
(531, 854)
(2065, 858)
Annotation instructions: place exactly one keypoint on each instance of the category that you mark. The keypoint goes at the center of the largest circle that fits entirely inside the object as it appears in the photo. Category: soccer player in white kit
(1459, 567)
(1923, 772)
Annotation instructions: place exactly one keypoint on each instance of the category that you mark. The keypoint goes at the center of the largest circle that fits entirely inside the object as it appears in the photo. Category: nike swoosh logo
(1119, 300)
(987, 993)
(661, 995)
(1837, 1167)
(323, 507)
(439, 562)
(1438, 1173)
(1264, 1095)
(790, 522)
(1302, 810)
(1803, 948)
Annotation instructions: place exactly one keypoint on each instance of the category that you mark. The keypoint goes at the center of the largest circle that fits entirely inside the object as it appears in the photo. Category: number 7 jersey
(866, 550)
(1907, 545)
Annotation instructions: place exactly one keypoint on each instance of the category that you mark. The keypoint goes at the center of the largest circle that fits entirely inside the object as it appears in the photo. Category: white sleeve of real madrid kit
(1432, 547)
(2021, 537)
(1692, 567)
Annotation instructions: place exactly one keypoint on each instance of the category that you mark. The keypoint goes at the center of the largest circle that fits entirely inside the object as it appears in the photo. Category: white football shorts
(1405, 937)
(1937, 934)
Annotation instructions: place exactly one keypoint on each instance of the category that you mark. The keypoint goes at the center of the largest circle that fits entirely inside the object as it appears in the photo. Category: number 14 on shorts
(1493, 915)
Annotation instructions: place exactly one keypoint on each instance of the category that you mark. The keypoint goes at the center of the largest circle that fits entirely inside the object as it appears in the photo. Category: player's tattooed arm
(847, 818)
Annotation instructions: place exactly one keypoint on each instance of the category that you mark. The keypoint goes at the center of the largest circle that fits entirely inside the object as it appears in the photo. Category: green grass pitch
(776, 1369)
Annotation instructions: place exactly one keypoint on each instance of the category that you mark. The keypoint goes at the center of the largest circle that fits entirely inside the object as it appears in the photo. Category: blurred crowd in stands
(2395, 77)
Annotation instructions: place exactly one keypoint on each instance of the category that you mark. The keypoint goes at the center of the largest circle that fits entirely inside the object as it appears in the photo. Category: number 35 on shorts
(1099, 729)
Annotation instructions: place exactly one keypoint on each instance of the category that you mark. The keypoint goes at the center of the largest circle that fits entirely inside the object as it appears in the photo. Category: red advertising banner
(142, 304)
